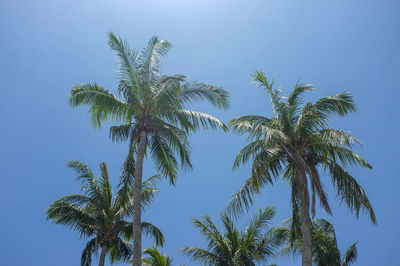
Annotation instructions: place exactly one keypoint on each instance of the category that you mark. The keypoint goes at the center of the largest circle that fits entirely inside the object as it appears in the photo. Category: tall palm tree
(153, 111)
(257, 244)
(297, 143)
(325, 251)
(100, 215)
(155, 258)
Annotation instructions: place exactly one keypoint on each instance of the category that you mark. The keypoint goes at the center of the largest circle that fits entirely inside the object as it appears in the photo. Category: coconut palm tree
(155, 258)
(257, 244)
(99, 215)
(325, 251)
(152, 110)
(298, 143)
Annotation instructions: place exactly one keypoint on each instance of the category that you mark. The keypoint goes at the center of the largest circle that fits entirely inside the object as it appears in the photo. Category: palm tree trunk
(102, 255)
(306, 257)
(137, 202)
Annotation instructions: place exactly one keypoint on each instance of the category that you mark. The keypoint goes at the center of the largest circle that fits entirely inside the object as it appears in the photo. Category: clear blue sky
(48, 46)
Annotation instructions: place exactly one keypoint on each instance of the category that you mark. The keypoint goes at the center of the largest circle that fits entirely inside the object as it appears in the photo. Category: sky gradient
(49, 46)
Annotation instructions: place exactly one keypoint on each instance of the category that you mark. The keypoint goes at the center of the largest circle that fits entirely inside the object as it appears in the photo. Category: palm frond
(295, 98)
(151, 230)
(89, 184)
(259, 221)
(120, 251)
(350, 191)
(193, 92)
(164, 158)
(201, 255)
(86, 258)
(156, 258)
(122, 132)
(336, 137)
(103, 104)
(339, 104)
(350, 255)
(71, 215)
(255, 126)
(150, 59)
(105, 187)
(192, 120)
(177, 140)
(127, 64)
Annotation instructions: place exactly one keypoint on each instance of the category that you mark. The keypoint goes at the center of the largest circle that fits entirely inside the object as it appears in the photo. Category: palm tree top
(325, 249)
(156, 258)
(298, 140)
(150, 102)
(99, 213)
(256, 244)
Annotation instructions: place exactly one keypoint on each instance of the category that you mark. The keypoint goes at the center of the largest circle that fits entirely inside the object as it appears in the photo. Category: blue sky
(48, 46)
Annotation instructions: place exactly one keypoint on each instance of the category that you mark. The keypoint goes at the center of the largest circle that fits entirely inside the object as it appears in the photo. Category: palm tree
(296, 143)
(152, 110)
(156, 258)
(257, 244)
(100, 215)
(325, 251)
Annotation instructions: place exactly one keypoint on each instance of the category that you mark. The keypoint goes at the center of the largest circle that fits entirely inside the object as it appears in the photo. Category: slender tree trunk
(137, 202)
(102, 255)
(306, 257)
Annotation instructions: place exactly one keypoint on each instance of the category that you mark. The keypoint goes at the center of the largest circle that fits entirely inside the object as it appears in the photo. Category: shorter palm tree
(257, 244)
(325, 251)
(155, 258)
(100, 215)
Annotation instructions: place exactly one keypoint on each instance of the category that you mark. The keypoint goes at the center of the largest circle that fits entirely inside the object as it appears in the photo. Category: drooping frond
(265, 167)
(317, 187)
(350, 191)
(255, 126)
(151, 230)
(242, 200)
(164, 158)
(193, 92)
(120, 251)
(329, 153)
(71, 215)
(148, 229)
(86, 258)
(177, 140)
(339, 104)
(103, 104)
(122, 132)
(248, 152)
(192, 120)
(336, 137)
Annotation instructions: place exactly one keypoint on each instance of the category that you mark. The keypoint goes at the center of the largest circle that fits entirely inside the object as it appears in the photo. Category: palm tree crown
(151, 103)
(296, 143)
(153, 111)
(155, 257)
(100, 215)
(325, 248)
(256, 244)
